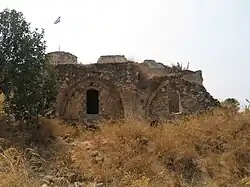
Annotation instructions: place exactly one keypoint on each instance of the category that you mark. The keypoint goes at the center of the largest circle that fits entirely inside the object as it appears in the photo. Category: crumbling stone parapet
(112, 59)
(61, 57)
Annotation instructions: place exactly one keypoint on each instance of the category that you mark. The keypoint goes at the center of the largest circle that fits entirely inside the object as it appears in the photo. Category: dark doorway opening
(174, 102)
(92, 101)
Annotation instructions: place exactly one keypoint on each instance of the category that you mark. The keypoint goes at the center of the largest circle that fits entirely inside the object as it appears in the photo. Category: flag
(57, 20)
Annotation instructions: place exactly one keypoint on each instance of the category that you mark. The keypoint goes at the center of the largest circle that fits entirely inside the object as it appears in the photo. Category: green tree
(24, 69)
(231, 103)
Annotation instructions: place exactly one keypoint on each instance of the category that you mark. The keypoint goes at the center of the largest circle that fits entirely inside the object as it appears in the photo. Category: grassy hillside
(209, 150)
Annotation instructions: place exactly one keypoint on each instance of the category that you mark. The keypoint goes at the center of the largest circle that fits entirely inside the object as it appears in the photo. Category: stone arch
(73, 105)
(163, 101)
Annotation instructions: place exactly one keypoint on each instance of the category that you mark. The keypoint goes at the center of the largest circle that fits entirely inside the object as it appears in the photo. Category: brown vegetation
(209, 150)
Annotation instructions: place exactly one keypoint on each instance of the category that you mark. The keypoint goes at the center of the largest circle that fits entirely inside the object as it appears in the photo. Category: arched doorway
(164, 101)
(92, 101)
(91, 97)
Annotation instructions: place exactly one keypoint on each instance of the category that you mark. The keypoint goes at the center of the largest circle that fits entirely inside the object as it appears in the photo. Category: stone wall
(111, 80)
(195, 77)
(175, 92)
(61, 57)
(112, 59)
(125, 89)
(147, 90)
(157, 69)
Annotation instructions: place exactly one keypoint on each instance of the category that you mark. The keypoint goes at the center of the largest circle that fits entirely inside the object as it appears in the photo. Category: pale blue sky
(212, 34)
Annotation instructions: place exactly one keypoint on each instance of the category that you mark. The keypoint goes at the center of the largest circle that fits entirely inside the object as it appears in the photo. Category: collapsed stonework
(61, 57)
(116, 88)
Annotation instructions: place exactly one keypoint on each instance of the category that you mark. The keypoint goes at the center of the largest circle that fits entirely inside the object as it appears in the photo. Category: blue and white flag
(57, 20)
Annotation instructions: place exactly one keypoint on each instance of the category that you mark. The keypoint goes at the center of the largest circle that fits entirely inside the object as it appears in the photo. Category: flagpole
(58, 20)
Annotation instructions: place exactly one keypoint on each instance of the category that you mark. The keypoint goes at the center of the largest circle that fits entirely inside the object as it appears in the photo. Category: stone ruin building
(115, 87)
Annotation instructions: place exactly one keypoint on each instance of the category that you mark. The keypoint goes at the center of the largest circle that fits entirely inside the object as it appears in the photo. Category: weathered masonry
(116, 88)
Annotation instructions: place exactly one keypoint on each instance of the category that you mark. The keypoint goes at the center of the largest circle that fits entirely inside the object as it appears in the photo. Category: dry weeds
(209, 150)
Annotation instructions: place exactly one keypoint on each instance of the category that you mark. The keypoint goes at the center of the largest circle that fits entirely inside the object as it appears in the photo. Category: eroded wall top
(148, 68)
(61, 57)
(112, 59)
(156, 69)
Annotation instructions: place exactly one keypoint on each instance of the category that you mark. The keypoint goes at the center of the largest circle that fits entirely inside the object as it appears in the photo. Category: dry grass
(211, 149)
(12, 170)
